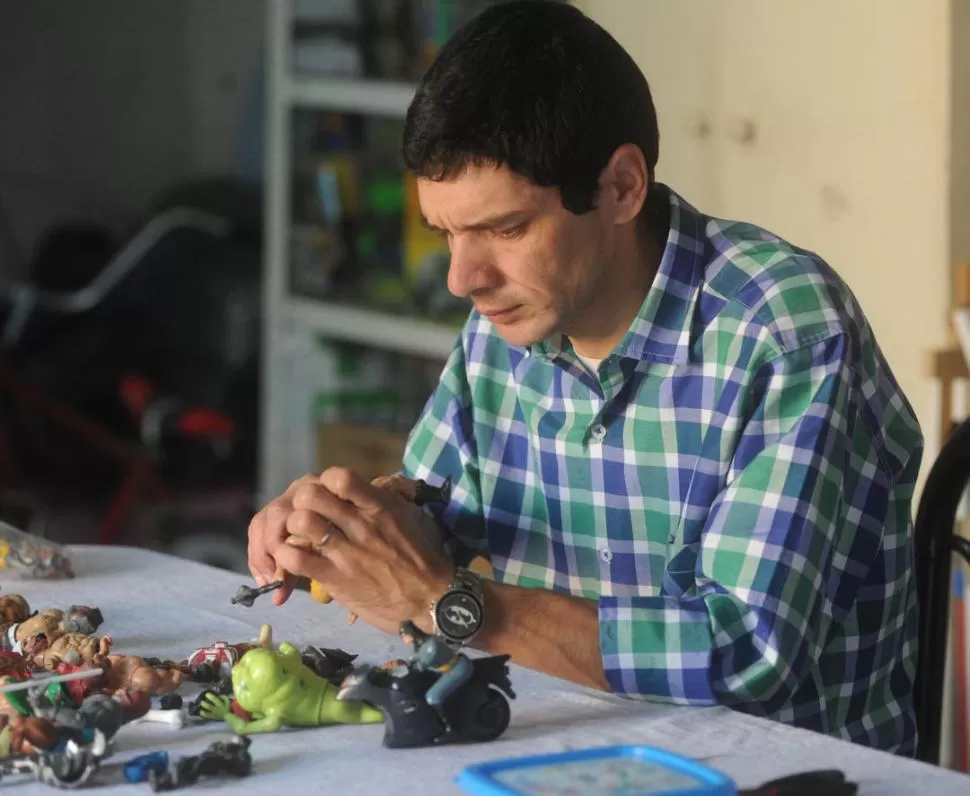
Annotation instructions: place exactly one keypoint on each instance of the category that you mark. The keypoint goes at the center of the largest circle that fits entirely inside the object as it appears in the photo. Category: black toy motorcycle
(477, 711)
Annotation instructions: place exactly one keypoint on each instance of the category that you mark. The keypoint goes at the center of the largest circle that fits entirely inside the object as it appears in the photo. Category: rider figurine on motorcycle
(432, 653)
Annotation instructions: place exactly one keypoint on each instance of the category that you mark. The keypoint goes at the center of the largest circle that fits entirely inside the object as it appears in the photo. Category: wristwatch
(458, 614)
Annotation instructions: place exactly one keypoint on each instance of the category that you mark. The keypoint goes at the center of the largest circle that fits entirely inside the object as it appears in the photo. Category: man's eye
(512, 232)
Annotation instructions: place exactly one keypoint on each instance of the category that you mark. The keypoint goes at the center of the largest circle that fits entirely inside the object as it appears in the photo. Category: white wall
(106, 102)
(847, 153)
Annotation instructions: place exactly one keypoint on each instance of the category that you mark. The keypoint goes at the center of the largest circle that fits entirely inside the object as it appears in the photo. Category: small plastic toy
(26, 735)
(31, 556)
(213, 663)
(223, 757)
(277, 689)
(611, 769)
(331, 664)
(138, 768)
(76, 648)
(130, 672)
(67, 769)
(477, 709)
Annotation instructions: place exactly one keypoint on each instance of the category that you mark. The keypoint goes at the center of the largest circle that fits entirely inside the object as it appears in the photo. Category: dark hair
(536, 86)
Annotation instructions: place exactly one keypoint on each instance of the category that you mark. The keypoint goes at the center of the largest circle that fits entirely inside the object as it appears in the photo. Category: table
(157, 605)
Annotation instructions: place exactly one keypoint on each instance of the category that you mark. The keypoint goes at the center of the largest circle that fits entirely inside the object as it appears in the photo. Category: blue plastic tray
(603, 771)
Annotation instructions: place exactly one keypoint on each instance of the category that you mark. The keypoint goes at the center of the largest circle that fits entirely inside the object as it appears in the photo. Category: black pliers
(830, 782)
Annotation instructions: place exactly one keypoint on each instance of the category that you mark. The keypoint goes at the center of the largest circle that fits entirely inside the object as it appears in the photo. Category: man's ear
(624, 183)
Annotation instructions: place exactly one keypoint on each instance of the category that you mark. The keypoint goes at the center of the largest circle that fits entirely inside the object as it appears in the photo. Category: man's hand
(267, 535)
(378, 561)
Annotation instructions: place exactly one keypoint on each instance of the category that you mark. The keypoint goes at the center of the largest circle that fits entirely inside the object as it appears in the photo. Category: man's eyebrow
(492, 222)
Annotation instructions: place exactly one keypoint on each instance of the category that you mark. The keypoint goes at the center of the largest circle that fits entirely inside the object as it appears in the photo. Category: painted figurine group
(65, 693)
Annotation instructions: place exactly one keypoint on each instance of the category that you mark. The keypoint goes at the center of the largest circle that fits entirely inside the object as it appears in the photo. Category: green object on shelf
(385, 195)
(367, 244)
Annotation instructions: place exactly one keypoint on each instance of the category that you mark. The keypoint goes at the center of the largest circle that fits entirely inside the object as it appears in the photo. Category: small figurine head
(34, 645)
(433, 652)
(50, 623)
(13, 608)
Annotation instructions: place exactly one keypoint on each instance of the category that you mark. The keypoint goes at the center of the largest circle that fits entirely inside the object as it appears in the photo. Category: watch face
(458, 615)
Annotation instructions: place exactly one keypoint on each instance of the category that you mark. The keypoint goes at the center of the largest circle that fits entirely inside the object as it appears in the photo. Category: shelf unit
(289, 320)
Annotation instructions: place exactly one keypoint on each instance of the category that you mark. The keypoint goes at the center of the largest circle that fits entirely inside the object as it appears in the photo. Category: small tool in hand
(247, 594)
(424, 493)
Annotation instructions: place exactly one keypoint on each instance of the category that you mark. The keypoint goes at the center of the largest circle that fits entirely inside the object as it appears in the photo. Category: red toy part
(13, 664)
(221, 656)
(245, 715)
(79, 690)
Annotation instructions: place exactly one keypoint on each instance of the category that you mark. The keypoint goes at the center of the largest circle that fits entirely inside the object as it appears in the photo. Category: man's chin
(522, 334)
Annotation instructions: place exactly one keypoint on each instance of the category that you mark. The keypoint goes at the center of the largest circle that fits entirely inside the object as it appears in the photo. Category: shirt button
(606, 555)
(598, 432)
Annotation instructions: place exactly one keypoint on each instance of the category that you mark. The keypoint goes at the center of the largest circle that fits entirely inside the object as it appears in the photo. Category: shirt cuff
(658, 648)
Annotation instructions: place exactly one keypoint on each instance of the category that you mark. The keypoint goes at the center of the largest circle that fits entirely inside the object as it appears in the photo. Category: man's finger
(267, 525)
(306, 564)
(351, 488)
(282, 594)
(321, 501)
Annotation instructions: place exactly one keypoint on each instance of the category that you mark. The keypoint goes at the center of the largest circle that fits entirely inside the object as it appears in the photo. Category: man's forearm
(553, 633)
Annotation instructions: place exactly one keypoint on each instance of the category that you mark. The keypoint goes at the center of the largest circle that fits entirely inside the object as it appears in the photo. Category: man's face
(528, 264)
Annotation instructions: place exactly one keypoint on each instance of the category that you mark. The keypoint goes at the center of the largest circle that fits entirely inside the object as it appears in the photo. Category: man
(674, 436)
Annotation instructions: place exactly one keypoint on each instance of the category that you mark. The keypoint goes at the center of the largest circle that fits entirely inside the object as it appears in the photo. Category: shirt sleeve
(442, 444)
(789, 536)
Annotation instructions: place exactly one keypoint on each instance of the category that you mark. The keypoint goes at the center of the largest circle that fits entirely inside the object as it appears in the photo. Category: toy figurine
(472, 709)
(13, 666)
(67, 769)
(213, 663)
(75, 648)
(277, 689)
(27, 735)
(13, 610)
(52, 623)
(223, 757)
(331, 664)
(130, 672)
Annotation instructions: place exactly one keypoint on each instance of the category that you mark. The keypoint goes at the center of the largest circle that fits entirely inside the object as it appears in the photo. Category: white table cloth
(157, 605)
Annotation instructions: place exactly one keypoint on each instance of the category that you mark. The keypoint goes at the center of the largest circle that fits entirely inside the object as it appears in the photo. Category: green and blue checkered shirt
(733, 487)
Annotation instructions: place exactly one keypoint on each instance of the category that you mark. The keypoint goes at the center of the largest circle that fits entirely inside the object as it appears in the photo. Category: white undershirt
(592, 365)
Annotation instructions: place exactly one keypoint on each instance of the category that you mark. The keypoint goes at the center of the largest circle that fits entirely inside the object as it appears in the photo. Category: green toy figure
(278, 690)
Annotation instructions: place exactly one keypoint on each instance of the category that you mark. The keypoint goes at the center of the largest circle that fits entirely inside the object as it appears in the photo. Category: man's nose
(470, 270)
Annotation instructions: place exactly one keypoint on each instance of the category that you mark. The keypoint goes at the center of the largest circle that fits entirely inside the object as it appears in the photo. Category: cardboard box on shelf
(369, 451)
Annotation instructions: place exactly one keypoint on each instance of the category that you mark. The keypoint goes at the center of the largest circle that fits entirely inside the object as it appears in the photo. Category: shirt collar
(661, 329)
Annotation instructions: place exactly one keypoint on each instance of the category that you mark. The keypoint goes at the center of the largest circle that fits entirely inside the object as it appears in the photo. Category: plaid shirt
(733, 488)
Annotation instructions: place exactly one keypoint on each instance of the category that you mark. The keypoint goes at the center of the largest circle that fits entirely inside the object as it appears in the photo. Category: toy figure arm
(220, 708)
(269, 723)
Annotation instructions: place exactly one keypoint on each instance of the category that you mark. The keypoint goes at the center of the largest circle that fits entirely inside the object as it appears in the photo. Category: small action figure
(213, 663)
(74, 648)
(473, 707)
(277, 689)
(223, 757)
(330, 664)
(432, 653)
(130, 672)
(67, 769)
